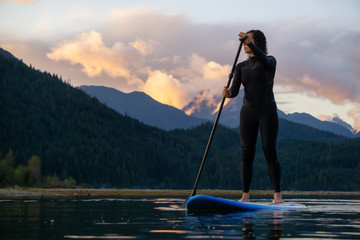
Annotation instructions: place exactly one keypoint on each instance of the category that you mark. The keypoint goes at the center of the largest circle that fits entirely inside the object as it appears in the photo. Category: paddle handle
(216, 122)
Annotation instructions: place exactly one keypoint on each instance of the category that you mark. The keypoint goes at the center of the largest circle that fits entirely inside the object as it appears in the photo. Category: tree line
(28, 175)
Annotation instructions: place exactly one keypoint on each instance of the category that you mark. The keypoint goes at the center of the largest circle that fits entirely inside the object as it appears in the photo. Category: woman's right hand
(244, 37)
(226, 92)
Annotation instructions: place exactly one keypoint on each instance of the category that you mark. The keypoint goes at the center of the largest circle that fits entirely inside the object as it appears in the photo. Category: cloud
(355, 114)
(312, 57)
(324, 117)
(166, 89)
(171, 80)
(20, 1)
(145, 48)
(174, 34)
(202, 74)
(209, 70)
(319, 60)
(89, 50)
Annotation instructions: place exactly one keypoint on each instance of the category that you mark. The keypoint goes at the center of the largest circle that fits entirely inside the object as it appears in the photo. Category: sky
(172, 50)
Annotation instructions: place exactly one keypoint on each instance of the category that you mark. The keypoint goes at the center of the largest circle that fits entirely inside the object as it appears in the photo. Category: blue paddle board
(204, 203)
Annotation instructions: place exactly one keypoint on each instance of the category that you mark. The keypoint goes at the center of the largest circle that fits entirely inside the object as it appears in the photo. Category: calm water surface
(160, 218)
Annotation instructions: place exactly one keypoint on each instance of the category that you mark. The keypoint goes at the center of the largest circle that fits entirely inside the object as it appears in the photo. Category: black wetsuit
(258, 111)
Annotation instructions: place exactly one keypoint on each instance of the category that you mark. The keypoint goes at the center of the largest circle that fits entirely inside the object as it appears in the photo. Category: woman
(259, 110)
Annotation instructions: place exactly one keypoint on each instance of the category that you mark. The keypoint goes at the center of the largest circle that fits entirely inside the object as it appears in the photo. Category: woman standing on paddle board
(259, 109)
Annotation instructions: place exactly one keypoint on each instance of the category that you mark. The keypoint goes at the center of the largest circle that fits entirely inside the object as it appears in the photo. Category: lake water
(160, 218)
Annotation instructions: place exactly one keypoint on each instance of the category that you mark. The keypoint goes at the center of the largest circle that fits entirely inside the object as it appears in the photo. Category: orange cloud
(206, 75)
(209, 70)
(357, 125)
(332, 91)
(324, 117)
(89, 50)
(193, 74)
(319, 87)
(145, 48)
(166, 89)
(355, 114)
(213, 70)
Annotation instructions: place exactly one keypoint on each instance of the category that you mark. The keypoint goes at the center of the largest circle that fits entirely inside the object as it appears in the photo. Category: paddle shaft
(216, 122)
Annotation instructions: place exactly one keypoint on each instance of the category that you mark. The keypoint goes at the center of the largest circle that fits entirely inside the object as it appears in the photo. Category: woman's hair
(259, 39)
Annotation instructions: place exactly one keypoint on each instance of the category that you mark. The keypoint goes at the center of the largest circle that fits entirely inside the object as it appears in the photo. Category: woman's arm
(235, 86)
(269, 61)
(261, 56)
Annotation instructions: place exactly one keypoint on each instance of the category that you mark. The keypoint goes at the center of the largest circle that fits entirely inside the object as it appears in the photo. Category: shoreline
(61, 192)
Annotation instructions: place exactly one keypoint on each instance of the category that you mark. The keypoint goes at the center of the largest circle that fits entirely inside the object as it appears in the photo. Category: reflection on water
(247, 225)
(162, 218)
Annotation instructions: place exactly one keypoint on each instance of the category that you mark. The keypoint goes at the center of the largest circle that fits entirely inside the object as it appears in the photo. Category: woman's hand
(226, 92)
(245, 37)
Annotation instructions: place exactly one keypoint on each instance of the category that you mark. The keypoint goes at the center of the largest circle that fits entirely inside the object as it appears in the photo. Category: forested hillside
(306, 165)
(76, 136)
(73, 134)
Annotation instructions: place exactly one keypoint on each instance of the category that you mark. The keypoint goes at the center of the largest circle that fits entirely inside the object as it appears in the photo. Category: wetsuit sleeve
(262, 57)
(235, 86)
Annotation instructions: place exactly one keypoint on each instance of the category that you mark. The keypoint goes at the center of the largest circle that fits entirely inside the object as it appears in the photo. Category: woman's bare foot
(278, 198)
(245, 197)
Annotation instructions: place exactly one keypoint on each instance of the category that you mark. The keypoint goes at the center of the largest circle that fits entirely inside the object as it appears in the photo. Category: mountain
(204, 106)
(292, 130)
(144, 108)
(7, 54)
(309, 120)
(341, 122)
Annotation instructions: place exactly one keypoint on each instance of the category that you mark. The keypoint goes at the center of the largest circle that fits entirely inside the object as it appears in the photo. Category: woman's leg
(269, 131)
(249, 127)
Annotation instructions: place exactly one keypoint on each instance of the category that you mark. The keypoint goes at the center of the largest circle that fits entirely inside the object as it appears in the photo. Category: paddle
(214, 126)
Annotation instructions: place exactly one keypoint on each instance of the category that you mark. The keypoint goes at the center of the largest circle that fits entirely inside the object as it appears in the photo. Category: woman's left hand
(226, 92)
